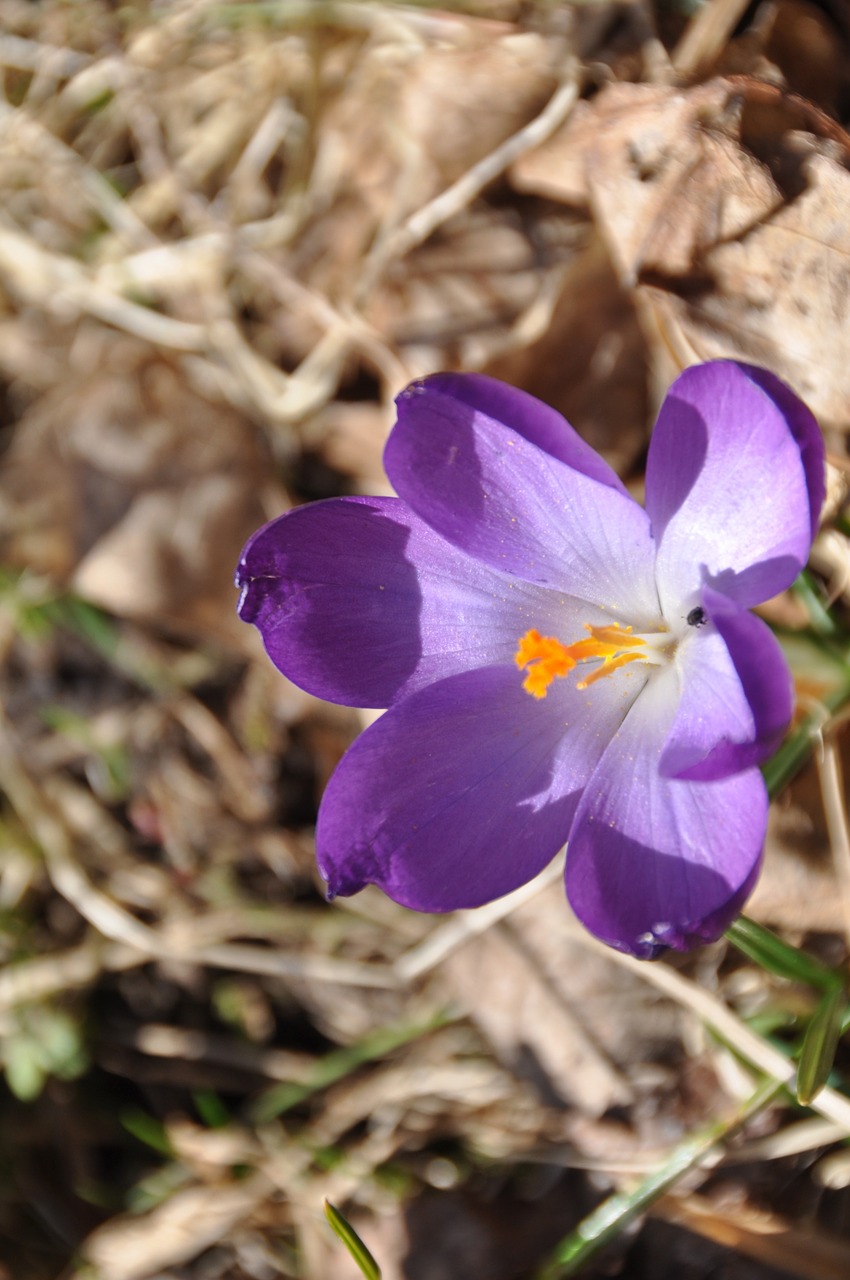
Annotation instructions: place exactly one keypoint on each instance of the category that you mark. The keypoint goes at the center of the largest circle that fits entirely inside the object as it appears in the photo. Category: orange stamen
(545, 657)
(608, 665)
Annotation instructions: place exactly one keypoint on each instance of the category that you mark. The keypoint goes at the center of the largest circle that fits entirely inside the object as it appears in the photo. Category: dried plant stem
(714, 1014)
(179, 943)
(37, 816)
(425, 221)
(464, 925)
(31, 981)
(706, 35)
(773, 1241)
(835, 812)
(35, 139)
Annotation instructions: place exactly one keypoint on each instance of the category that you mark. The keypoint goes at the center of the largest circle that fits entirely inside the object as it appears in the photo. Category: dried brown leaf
(591, 361)
(655, 178)
(617, 1014)
(798, 890)
(780, 296)
(803, 41)
(409, 120)
(138, 489)
(723, 207)
(530, 1025)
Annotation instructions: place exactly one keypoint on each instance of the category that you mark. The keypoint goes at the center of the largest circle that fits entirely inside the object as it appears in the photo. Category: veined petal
(733, 476)
(737, 695)
(656, 862)
(537, 421)
(463, 791)
(360, 602)
(804, 428)
(485, 487)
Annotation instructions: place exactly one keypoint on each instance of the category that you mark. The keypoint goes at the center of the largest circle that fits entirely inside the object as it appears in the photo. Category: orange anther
(545, 657)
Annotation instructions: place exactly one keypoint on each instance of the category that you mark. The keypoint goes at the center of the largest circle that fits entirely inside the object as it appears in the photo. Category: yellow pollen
(545, 657)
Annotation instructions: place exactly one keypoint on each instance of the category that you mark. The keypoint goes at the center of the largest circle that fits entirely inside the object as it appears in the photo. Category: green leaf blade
(819, 1046)
(771, 953)
(355, 1246)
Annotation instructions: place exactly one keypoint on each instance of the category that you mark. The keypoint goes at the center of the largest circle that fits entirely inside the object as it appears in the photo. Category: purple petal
(805, 430)
(537, 421)
(463, 791)
(737, 695)
(484, 487)
(657, 862)
(734, 471)
(360, 603)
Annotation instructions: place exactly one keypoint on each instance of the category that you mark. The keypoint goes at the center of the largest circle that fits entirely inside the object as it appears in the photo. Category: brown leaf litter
(229, 234)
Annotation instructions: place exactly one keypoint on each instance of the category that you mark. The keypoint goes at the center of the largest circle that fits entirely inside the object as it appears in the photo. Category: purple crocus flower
(559, 664)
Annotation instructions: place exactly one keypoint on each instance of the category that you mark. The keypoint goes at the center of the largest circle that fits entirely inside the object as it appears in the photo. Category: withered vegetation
(230, 233)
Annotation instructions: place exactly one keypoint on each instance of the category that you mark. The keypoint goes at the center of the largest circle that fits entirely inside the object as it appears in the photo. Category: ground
(230, 234)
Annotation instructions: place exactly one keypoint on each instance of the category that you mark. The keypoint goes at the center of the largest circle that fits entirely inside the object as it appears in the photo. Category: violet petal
(541, 425)
(483, 486)
(805, 430)
(360, 603)
(727, 489)
(656, 862)
(463, 791)
(737, 695)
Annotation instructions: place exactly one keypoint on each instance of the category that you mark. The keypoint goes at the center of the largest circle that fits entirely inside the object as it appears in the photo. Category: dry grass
(229, 234)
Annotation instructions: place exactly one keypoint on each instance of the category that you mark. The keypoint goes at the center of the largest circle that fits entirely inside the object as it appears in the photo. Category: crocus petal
(737, 695)
(463, 791)
(803, 425)
(360, 603)
(656, 862)
(731, 477)
(483, 486)
(537, 421)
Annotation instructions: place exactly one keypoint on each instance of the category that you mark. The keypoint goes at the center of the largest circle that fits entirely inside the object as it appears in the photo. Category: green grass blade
(820, 619)
(352, 1242)
(776, 956)
(614, 1214)
(819, 1045)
